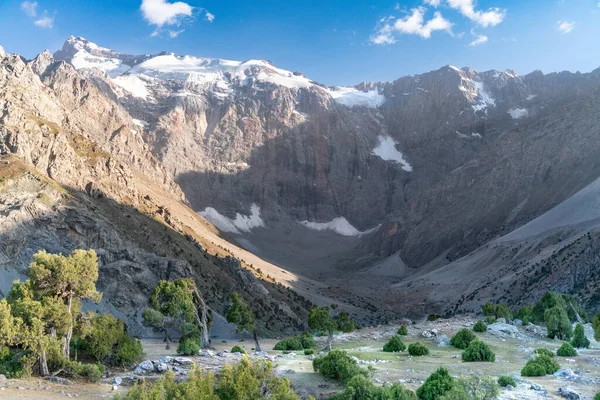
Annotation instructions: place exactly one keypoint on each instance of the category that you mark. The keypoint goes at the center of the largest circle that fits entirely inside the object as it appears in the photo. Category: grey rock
(441, 341)
(536, 387)
(117, 380)
(569, 393)
(499, 328)
(183, 360)
(566, 373)
(161, 367)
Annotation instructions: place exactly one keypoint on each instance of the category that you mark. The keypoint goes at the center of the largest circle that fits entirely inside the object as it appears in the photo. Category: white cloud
(565, 26)
(161, 12)
(433, 3)
(174, 34)
(45, 21)
(413, 24)
(491, 17)
(479, 40)
(210, 17)
(29, 8)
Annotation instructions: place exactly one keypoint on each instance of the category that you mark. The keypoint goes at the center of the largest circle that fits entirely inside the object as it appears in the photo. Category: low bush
(505, 381)
(540, 366)
(478, 351)
(497, 311)
(188, 346)
(403, 330)
(291, 343)
(338, 365)
(579, 340)
(394, 345)
(296, 343)
(436, 385)
(462, 339)
(238, 349)
(129, 351)
(480, 327)
(418, 349)
(89, 372)
(433, 317)
(361, 388)
(473, 388)
(308, 352)
(597, 396)
(307, 340)
(543, 352)
(490, 319)
(566, 350)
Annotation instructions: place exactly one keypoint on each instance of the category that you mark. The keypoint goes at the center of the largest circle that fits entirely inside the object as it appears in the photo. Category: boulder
(501, 329)
(161, 367)
(145, 367)
(536, 387)
(566, 373)
(568, 393)
(183, 361)
(518, 322)
(429, 333)
(117, 380)
(501, 320)
(166, 359)
(442, 341)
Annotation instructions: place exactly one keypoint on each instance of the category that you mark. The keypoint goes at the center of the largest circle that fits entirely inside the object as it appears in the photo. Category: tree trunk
(203, 321)
(329, 341)
(256, 344)
(168, 347)
(43, 364)
(67, 344)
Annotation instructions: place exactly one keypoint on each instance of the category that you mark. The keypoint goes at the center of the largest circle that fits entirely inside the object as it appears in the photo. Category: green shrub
(89, 372)
(497, 311)
(10, 363)
(462, 338)
(238, 349)
(104, 333)
(505, 381)
(307, 340)
(478, 351)
(129, 351)
(418, 349)
(597, 396)
(490, 320)
(403, 330)
(579, 340)
(548, 301)
(291, 343)
(543, 352)
(337, 365)
(188, 346)
(308, 352)
(394, 345)
(557, 323)
(540, 366)
(596, 326)
(566, 350)
(525, 314)
(361, 388)
(480, 327)
(473, 388)
(433, 317)
(533, 369)
(436, 385)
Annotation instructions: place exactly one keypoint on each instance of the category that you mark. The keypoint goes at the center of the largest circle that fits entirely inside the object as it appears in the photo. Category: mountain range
(432, 193)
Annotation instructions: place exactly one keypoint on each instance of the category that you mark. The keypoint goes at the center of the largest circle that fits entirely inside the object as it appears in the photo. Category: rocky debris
(537, 388)
(161, 367)
(501, 321)
(206, 353)
(183, 361)
(143, 368)
(59, 380)
(568, 393)
(2, 378)
(117, 380)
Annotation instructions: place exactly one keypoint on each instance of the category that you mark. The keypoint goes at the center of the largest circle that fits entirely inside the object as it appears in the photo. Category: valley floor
(512, 352)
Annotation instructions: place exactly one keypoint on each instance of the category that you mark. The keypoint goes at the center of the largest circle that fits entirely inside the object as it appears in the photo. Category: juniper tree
(69, 279)
(240, 314)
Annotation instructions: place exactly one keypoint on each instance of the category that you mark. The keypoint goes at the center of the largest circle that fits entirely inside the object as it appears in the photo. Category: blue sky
(331, 41)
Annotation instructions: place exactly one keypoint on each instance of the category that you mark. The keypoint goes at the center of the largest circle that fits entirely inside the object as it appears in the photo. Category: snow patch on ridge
(517, 113)
(113, 67)
(339, 225)
(243, 223)
(484, 99)
(350, 97)
(386, 149)
(133, 85)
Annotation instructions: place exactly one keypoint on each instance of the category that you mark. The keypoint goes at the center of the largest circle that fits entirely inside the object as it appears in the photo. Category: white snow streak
(351, 97)
(133, 85)
(244, 223)
(517, 113)
(386, 149)
(339, 225)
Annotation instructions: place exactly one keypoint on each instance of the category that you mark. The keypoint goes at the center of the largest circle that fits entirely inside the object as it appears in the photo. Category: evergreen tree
(320, 320)
(557, 323)
(579, 340)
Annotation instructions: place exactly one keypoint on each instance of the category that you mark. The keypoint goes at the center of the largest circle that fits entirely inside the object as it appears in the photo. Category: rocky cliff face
(386, 181)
